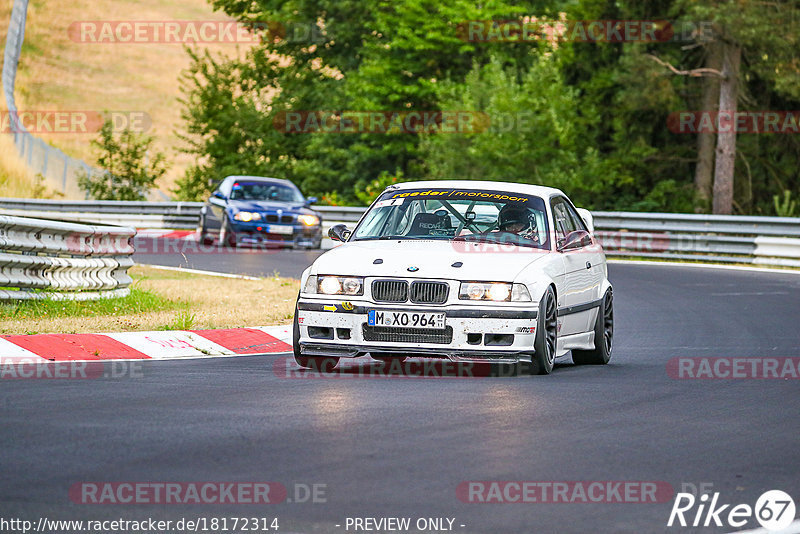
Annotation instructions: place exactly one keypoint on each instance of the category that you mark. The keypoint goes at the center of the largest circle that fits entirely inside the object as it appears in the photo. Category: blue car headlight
(308, 220)
(247, 216)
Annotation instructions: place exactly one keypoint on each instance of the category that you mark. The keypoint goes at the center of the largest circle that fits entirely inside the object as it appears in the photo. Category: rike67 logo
(774, 510)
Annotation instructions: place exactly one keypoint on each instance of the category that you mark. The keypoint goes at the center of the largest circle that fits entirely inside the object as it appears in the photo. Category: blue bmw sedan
(253, 210)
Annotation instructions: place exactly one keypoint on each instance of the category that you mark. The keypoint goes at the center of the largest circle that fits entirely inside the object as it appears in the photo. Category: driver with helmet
(517, 220)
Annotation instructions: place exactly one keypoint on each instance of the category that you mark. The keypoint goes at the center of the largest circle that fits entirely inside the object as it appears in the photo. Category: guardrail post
(64, 175)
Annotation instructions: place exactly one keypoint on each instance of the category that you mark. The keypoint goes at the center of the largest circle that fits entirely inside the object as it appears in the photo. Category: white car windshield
(457, 214)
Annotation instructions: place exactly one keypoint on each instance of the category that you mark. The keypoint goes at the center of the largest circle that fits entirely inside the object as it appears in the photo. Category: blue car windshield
(457, 215)
(265, 191)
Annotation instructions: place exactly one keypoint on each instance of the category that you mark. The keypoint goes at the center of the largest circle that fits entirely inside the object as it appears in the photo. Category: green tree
(537, 132)
(765, 34)
(369, 55)
(129, 169)
(598, 111)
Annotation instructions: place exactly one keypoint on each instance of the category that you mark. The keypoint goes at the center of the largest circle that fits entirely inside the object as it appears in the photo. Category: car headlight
(340, 285)
(311, 284)
(308, 220)
(520, 293)
(494, 291)
(247, 216)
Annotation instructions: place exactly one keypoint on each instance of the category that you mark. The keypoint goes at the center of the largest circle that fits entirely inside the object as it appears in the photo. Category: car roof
(236, 177)
(511, 187)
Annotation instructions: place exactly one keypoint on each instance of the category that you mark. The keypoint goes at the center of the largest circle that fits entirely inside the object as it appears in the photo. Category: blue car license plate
(279, 229)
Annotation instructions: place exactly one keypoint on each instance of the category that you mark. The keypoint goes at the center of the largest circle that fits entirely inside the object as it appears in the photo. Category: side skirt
(583, 341)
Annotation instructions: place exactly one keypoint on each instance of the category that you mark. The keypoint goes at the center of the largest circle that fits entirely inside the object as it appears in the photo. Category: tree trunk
(704, 171)
(726, 136)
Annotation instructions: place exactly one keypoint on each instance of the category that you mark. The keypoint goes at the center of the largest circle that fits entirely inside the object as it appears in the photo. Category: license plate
(403, 319)
(279, 229)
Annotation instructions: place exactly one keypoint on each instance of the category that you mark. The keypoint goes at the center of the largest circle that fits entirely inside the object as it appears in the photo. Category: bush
(538, 132)
(129, 173)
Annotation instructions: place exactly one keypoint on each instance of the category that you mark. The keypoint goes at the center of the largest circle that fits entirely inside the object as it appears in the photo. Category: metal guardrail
(173, 215)
(685, 222)
(125, 213)
(717, 238)
(341, 213)
(66, 260)
(720, 238)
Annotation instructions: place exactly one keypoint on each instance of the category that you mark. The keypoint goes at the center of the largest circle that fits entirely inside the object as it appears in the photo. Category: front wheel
(603, 335)
(203, 236)
(227, 238)
(315, 363)
(546, 341)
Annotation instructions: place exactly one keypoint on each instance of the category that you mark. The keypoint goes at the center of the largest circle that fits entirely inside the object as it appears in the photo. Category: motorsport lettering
(469, 194)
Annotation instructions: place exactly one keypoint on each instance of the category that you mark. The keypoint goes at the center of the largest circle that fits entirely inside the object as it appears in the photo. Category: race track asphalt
(400, 446)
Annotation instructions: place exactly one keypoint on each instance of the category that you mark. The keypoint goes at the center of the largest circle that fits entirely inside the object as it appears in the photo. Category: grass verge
(16, 179)
(161, 300)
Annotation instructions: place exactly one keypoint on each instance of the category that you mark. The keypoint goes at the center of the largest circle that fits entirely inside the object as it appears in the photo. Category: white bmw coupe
(465, 270)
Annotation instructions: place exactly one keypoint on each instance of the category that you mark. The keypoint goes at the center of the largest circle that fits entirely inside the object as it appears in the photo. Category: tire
(603, 335)
(227, 237)
(546, 341)
(203, 238)
(315, 363)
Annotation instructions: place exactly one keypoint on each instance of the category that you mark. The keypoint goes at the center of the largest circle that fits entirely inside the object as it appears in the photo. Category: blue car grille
(273, 218)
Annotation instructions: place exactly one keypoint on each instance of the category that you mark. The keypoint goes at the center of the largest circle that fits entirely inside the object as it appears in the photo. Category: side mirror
(573, 240)
(311, 200)
(588, 218)
(218, 194)
(339, 232)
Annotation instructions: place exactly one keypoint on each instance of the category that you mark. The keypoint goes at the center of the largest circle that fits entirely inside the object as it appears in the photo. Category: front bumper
(473, 333)
(256, 233)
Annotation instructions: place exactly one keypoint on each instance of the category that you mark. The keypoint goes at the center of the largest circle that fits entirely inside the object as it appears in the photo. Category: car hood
(265, 205)
(433, 259)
